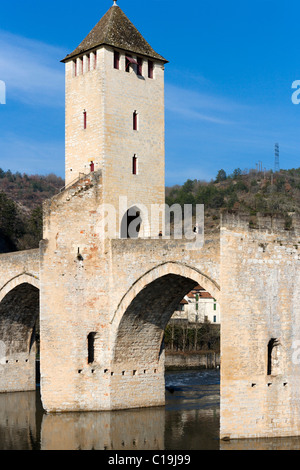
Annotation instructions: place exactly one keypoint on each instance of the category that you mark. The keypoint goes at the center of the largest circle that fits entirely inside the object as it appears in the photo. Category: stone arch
(23, 278)
(143, 313)
(19, 314)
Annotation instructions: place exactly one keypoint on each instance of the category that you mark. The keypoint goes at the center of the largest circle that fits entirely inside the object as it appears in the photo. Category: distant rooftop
(116, 30)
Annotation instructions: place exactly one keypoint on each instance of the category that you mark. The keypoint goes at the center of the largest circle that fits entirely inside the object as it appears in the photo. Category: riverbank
(190, 360)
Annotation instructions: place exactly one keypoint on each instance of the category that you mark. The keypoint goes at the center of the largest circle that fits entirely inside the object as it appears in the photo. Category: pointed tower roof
(116, 30)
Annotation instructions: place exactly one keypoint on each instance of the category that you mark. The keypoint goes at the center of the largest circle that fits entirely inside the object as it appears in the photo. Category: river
(189, 421)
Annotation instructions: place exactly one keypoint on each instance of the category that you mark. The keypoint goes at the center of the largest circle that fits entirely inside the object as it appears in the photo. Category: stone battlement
(288, 224)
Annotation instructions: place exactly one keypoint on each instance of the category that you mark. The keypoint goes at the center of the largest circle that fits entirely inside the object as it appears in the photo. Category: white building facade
(198, 306)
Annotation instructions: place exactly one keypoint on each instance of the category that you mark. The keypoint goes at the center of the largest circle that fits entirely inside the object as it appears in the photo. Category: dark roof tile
(116, 30)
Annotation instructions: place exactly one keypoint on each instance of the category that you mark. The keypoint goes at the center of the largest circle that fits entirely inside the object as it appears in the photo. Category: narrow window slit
(91, 347)
(150, 69)
(135, 121)
(134, 165)
(116, 60)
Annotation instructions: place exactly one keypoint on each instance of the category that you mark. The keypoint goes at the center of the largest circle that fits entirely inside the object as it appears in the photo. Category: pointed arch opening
(131, 223)
(139, 326)
(141, 330)
(19, 333)
(149, 304)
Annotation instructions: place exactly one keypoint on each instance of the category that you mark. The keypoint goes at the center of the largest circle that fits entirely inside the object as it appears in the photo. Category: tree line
(181, 336)
(249, 192)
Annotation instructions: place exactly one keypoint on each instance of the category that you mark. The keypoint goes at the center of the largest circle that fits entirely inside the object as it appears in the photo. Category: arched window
(91, 347)
(274, 357)
(131, 223)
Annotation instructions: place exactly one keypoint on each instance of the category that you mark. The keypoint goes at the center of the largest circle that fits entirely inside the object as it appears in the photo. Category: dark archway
(131, 223)
(19, 326)
(140, 333)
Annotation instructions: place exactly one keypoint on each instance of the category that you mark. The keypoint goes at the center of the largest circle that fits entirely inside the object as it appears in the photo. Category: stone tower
(115, 114)
(114, 151)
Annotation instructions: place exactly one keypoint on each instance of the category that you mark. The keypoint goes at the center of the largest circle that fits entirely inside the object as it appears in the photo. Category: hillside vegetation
(252, 192)
(21, 198)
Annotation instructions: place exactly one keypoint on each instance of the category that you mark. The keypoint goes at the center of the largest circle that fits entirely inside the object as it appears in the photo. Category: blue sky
(228, 85)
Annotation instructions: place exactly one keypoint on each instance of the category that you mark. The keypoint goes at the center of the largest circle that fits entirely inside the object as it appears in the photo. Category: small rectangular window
(95, 60)
(75, 67)
(140, 66)
(84, 120)
(116, 60)
(89, 62)
(150, 69)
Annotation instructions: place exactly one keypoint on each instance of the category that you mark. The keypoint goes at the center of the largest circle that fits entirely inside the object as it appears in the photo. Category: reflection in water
(126, 430)
(20, 421)
(192, 410)
(189, 421)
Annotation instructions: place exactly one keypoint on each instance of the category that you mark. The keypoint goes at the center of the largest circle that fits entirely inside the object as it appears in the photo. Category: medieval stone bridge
(103, 315)
(102, 303)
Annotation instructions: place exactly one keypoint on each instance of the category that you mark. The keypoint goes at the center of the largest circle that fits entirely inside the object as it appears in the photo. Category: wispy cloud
(19, 153)
(197, 106)
(31, 70)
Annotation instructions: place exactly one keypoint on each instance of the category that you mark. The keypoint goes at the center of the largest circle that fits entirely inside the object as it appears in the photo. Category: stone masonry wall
(260, 301)
(74, 300)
